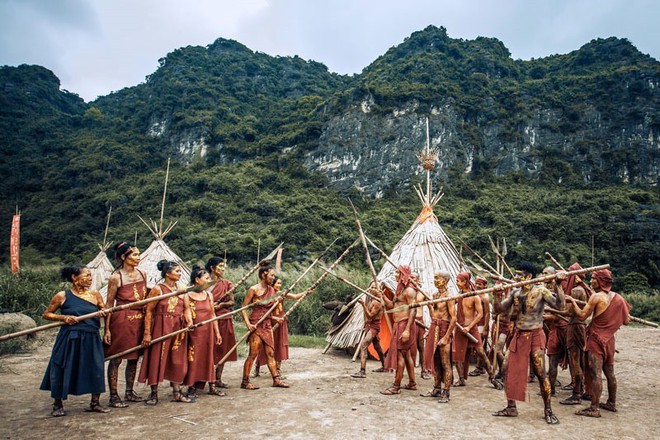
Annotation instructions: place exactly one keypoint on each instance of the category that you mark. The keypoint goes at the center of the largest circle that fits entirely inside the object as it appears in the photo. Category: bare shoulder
(59, 296)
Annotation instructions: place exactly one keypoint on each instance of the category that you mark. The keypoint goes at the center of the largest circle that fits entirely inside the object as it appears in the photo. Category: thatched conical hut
(101, 268)
(426, 248)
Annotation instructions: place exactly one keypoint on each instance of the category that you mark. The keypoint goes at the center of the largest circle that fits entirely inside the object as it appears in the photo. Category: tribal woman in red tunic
(261, 334)
(168, 359)
(223, 301)
(203, 339)
(124, 329)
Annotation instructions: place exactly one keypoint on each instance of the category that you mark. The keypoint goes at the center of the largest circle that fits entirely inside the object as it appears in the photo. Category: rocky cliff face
(373, 150)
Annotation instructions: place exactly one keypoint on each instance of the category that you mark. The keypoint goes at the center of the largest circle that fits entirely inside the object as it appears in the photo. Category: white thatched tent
(426, 248)
(101, 269)
(159, 250)
(100, 266)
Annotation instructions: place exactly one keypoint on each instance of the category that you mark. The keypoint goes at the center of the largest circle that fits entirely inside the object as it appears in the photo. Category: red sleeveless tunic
(265, 329)
(200, 344)
(226, 324)
(127, 326)
(166, 360)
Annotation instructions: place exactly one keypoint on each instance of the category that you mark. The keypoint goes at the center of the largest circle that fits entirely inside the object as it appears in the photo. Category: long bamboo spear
(276, 302)
(469, 249)
(317, 282)
(355, 286)
(185, 329)
(104, 312)
(499, 255)
(368, 257)
(582, 303)
(497, 287)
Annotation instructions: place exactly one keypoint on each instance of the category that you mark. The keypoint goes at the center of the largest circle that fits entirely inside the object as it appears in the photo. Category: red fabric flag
(15, 243)
(278, 260)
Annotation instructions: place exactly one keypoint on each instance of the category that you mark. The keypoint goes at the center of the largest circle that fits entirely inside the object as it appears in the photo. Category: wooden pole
(317, 282)
(500, 256)
(466, 333)
(355, 286)
(496, 338)
(414, 283)
(104, 312)
(162, 206)
(185, 329)
(357, 351)
(276, 303)
(587, 288)
(105, 234)
(469, 249)
(368, 257)
(540, 279)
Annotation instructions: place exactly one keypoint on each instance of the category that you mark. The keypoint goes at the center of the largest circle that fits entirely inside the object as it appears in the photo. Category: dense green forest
(64, 162)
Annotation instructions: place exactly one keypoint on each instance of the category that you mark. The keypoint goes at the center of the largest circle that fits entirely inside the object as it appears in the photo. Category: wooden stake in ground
(277, 300)
(368, 257)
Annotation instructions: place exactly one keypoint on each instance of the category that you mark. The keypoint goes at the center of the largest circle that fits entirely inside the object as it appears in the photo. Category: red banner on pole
(15, 243)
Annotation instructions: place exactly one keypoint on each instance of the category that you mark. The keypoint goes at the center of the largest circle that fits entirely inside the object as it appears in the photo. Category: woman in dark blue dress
(76, 363)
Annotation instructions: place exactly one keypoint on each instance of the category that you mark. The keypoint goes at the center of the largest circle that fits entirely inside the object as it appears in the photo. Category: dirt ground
(324, 402)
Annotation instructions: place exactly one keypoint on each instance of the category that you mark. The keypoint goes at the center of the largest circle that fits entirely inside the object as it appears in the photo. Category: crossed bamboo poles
(104, 312)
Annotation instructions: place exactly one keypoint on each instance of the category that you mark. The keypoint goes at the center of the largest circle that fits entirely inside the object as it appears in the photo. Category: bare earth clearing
(324, 402)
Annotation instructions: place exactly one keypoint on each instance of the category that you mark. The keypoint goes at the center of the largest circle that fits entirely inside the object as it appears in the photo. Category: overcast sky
(98, 46)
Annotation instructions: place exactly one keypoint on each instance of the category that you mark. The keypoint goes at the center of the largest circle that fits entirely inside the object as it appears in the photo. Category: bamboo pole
(278, 299)
(369, 262)
(497, 287)
(469, 249)
(162, 206)
(355, 286)
(185, 329)
(104, 312)
(317, 282)
(466, 333)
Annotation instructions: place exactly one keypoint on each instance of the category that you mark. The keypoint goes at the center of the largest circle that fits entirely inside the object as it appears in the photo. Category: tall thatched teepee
(100, 266)
(426, 248)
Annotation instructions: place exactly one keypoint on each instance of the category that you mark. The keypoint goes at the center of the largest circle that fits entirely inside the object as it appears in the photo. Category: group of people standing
(194, 358)
(526, 324)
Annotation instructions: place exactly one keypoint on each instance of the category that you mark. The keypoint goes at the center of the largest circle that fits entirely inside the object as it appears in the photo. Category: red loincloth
(601, 330)
(201, 342)
(523, 344)
(398, 346)
(576, 336)
(280, 339)
(556, 345)
(437, 331)
(373, 325)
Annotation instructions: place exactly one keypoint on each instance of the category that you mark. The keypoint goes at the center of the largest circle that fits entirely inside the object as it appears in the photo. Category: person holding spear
(438, 342)
(166, 360)
(202, 341)
(373, 314)
(263, 333)
(528, 342)
(76, 363)
(124, 329)
(403, 342)
(223, 300)
(609, 311)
